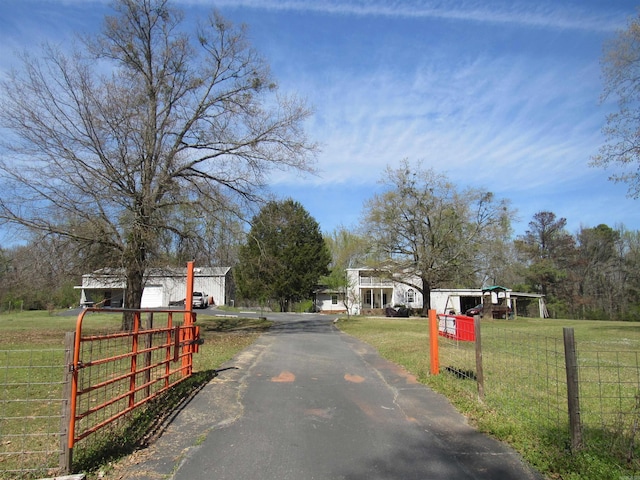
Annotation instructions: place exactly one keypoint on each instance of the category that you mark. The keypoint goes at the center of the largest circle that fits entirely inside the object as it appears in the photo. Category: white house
(374, 293)
(329, 300)
(163, 286)
(368, 293)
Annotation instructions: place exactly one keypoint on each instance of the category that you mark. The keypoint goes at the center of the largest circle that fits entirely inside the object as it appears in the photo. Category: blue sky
(500, 95)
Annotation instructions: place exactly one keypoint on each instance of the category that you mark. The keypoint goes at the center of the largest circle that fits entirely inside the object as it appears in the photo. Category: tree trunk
(132, 296)
(284, 304)
(426, 295)
(134, 272)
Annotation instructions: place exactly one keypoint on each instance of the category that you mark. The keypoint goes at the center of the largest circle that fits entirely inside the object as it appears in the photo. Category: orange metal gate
(113, 374)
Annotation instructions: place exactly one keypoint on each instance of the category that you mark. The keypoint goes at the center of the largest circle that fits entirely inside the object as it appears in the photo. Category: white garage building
(163, 287)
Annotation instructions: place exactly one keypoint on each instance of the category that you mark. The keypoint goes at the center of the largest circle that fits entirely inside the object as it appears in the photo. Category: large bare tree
(620, 71)
(422, 226)
(113, 144)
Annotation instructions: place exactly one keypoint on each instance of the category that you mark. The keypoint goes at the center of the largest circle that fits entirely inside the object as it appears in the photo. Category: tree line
(462, 238)
(590, 274)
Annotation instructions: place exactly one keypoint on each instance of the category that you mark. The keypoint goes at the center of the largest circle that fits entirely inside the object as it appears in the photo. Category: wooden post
(573, 392)
(479, 368)
(433, 339)
(66, 452)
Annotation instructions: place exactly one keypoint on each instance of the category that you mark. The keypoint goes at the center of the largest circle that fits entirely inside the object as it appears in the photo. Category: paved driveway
(308, 402)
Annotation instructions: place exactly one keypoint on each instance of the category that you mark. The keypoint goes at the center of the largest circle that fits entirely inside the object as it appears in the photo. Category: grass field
(523, 375)
(31, 374)
(525, 385)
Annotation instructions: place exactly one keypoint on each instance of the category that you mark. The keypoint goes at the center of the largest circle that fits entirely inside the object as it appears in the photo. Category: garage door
(152, 296)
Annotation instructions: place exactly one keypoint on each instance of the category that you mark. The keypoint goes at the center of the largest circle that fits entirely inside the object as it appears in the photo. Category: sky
(503, 96)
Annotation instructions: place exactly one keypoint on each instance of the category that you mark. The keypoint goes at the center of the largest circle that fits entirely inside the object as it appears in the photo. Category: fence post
(479, 368)
(433, 339)
(65, 451)
(573, 393)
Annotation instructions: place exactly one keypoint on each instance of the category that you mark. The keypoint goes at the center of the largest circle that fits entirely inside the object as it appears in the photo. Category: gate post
(65, 451)
(189, 320)
(433, 339)
(188, 302)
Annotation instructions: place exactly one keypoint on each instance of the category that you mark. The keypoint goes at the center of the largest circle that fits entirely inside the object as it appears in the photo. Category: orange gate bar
(125, 372)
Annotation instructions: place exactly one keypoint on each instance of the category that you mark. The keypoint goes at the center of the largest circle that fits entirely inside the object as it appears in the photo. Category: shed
(163, 286)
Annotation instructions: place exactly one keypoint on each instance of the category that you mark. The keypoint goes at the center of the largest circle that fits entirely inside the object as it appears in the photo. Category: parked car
(477, 310)
(499, 311)
(398, 311)
(200, 300)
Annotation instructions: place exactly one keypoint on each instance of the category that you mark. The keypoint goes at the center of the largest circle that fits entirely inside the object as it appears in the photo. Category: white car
(200, 300)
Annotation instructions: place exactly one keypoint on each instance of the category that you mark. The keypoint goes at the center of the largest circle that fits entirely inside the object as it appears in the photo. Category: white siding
(324, 303)
(162, 287)
(152, 296)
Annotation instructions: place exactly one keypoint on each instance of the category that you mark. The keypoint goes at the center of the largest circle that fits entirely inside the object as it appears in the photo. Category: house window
(334, 299)
(411, 296)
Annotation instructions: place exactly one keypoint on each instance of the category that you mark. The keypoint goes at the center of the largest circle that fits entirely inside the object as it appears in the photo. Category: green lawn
(525, 386)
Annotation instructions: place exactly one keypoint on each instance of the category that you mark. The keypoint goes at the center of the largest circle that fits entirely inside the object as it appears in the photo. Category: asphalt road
(308, 402)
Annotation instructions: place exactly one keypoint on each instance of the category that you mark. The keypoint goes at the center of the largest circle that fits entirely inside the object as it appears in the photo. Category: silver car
(199, 300)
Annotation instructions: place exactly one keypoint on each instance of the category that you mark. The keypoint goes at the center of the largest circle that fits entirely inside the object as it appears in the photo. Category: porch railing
(375, 282)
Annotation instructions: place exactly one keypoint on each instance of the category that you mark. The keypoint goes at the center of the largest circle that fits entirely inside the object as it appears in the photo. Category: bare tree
(620, 69)
(112, 145)
(597, 269)
(423, 227)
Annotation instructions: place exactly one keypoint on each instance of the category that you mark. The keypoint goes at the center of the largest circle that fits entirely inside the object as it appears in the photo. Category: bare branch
(143, 122)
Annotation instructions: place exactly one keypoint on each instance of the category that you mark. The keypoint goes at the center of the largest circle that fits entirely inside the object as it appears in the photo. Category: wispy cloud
(476, 120)
(554, 15)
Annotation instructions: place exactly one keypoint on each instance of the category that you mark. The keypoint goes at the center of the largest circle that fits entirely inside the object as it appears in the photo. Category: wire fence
(610, 402)
(524, 378)
(31, 412)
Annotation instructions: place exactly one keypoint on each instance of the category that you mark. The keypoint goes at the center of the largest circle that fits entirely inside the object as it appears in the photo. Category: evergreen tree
(284, 257)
